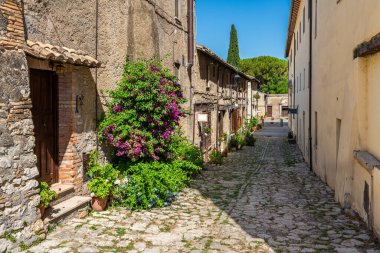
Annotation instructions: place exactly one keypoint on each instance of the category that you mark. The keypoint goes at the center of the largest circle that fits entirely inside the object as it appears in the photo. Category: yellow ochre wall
(344, 90)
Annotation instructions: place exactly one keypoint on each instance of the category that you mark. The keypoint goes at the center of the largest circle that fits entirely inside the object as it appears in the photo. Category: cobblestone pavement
(262, 199)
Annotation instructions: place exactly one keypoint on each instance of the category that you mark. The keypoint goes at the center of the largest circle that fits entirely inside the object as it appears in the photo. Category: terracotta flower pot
(98, 204)
(42, 211)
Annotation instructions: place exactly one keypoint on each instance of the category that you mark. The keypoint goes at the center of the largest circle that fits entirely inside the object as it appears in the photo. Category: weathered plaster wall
(277, 101)
(299, 75)
(133, 29)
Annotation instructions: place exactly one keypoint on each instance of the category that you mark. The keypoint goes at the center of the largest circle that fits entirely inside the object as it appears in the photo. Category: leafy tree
(270, 71)
(233, 51)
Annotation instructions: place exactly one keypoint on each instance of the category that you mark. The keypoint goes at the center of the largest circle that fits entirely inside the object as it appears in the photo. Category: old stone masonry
(262, 199)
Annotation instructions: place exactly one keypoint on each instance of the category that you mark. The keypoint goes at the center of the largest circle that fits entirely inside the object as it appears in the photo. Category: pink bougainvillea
(144, 112)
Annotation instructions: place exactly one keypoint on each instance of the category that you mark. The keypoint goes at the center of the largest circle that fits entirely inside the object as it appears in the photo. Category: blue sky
(261, 25)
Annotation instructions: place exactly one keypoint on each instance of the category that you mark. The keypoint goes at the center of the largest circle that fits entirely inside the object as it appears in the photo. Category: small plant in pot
(46, 196)
(207, 130)
(102, 181)
(100, 189)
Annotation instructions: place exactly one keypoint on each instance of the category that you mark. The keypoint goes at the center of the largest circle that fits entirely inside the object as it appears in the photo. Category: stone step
(68, 208)
(64, 192)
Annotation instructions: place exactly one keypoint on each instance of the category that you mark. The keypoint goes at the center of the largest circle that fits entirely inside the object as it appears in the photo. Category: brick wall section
(66, 127)
(14, 36)
(75, 129)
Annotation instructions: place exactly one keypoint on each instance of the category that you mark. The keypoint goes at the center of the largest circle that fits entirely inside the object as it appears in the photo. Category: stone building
(333, 48)
(220, 99)
(53, 74)
(276, 105)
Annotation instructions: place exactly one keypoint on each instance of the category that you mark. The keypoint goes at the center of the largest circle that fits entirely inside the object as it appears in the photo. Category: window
(304, 20)
(176, 2)
(297, 40)
(297, 85)
(213, 70)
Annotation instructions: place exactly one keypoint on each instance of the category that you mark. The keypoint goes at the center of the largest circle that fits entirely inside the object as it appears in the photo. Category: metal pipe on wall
(190, 60)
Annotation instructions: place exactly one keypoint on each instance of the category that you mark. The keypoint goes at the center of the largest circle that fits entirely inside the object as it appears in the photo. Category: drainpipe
(96, 70)
(310, 85)
(190, 50)
(217, 110)
(294, 86)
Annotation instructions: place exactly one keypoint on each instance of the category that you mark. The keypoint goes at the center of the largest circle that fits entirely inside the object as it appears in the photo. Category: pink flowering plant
(144, 112)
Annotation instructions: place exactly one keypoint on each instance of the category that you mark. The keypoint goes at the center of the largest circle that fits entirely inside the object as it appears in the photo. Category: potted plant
(207, 130)
(100, 189)
(46, 196)
(102, 181)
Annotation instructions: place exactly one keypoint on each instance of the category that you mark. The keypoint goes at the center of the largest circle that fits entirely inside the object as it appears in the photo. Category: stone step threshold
(59, 212)
(64, 192)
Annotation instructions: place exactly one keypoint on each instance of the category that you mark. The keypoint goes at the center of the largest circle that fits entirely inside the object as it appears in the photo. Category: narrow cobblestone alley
(262, 199)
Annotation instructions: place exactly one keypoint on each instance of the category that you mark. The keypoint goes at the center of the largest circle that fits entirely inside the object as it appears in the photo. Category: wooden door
(269, 111)
(220, 123)
(234, 120)
(43, 86)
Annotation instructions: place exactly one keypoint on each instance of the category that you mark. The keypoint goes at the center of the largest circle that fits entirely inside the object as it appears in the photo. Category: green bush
(181, 149)
(240, 138)
(46, 195)
(102, 177)
(249, 139)
(233, 143)
(251, 123)
(144, 111)
(215, 157)
(148, 185)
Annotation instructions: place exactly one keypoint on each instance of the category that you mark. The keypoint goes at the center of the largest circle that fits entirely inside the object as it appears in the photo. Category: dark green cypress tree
(233, 51)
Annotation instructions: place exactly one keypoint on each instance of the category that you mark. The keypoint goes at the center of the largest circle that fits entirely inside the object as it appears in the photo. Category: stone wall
(19, 198)
(19, 215)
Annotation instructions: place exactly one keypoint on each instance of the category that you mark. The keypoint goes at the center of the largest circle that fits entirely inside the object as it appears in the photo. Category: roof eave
(295, 5)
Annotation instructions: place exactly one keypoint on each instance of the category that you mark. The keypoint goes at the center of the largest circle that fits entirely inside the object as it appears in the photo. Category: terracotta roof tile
(60, 54)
